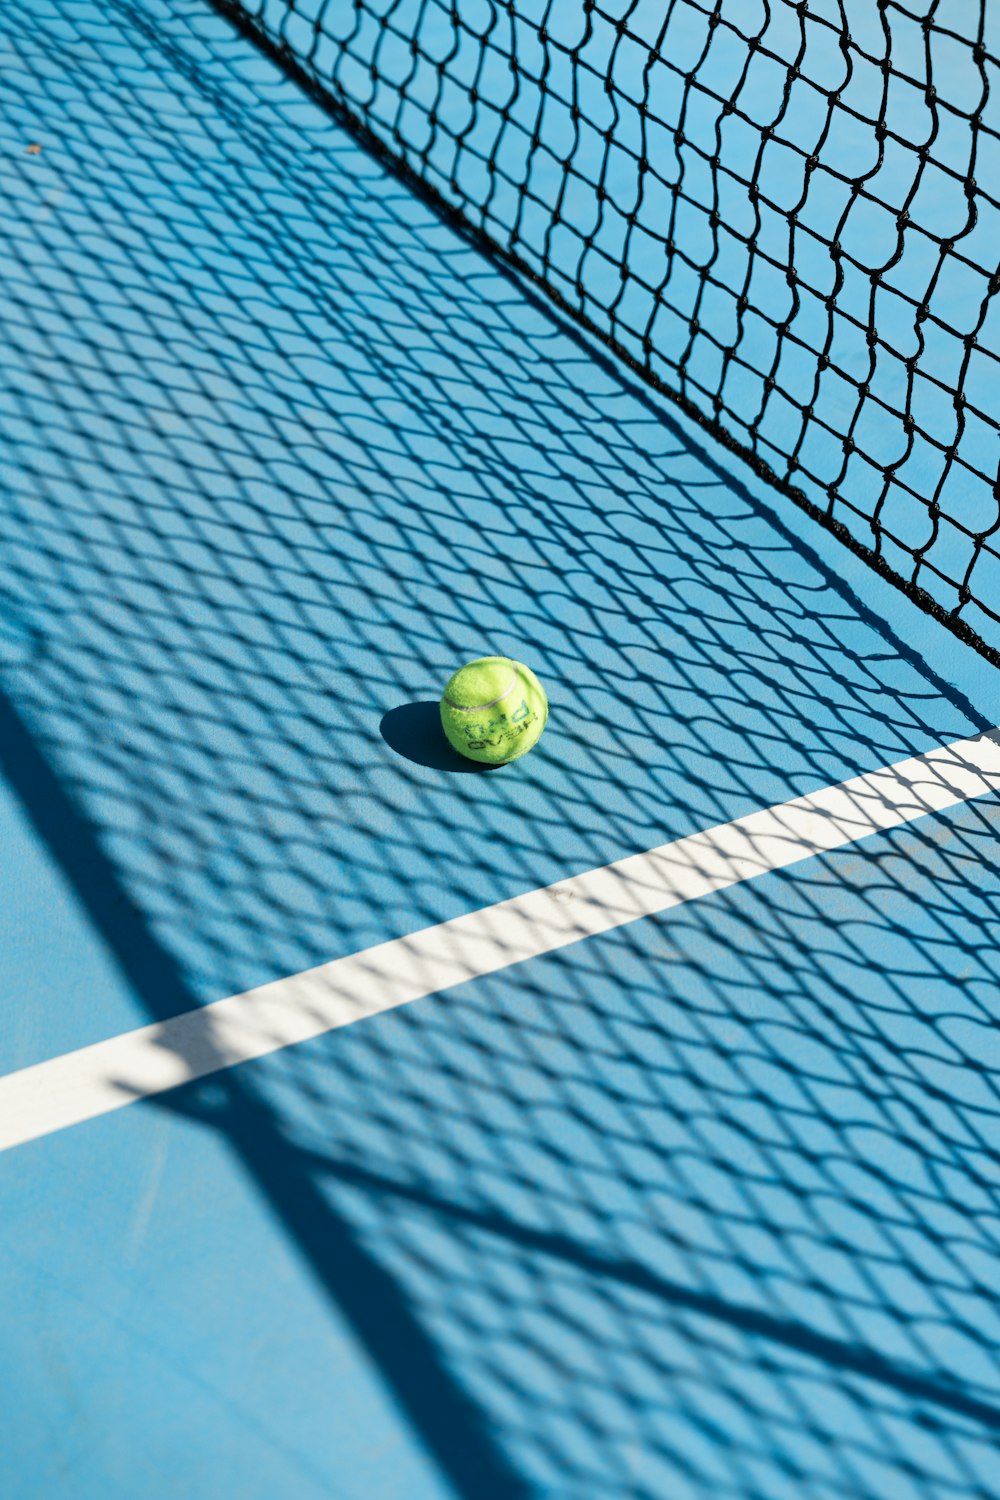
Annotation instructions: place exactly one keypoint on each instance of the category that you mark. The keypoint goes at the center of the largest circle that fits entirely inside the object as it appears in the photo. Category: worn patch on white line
(138, 1064)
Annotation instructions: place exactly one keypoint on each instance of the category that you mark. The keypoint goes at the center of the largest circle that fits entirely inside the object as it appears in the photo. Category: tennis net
(784, 215)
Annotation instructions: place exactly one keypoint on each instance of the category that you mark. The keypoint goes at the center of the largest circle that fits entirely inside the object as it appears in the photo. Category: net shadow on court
(782, 216)
(708, 1204)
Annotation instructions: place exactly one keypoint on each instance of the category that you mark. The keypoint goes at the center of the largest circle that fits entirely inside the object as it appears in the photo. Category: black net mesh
(784, 215)
(704, 1207)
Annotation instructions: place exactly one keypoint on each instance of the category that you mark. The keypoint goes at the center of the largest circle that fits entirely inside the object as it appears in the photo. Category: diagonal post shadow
(291, 1175)
(449, 1423)
(465, 1439)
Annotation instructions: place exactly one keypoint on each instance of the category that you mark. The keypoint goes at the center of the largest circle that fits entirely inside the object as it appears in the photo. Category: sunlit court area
(574, 1077)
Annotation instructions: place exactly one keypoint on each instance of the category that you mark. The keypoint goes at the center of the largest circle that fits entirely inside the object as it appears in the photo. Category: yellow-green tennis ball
(494, 710)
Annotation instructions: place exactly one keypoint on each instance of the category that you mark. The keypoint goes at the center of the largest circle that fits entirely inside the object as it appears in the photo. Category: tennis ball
(494, 710)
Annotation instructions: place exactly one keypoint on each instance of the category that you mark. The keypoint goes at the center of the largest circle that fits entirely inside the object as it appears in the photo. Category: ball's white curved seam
(478, 708)
(81, 1085)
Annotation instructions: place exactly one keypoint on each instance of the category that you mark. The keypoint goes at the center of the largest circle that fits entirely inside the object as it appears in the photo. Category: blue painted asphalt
(663, 1214)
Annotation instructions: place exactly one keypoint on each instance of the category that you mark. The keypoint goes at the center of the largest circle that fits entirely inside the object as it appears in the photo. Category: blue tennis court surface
(704, 1206)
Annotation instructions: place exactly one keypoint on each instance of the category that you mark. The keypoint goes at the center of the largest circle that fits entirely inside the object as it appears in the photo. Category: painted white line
(138, 1064)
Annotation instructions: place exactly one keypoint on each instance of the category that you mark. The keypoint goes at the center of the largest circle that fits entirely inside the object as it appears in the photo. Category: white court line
(98, 1079)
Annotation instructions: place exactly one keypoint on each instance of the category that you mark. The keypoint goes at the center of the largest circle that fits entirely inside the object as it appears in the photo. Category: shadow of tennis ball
(413, 730)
